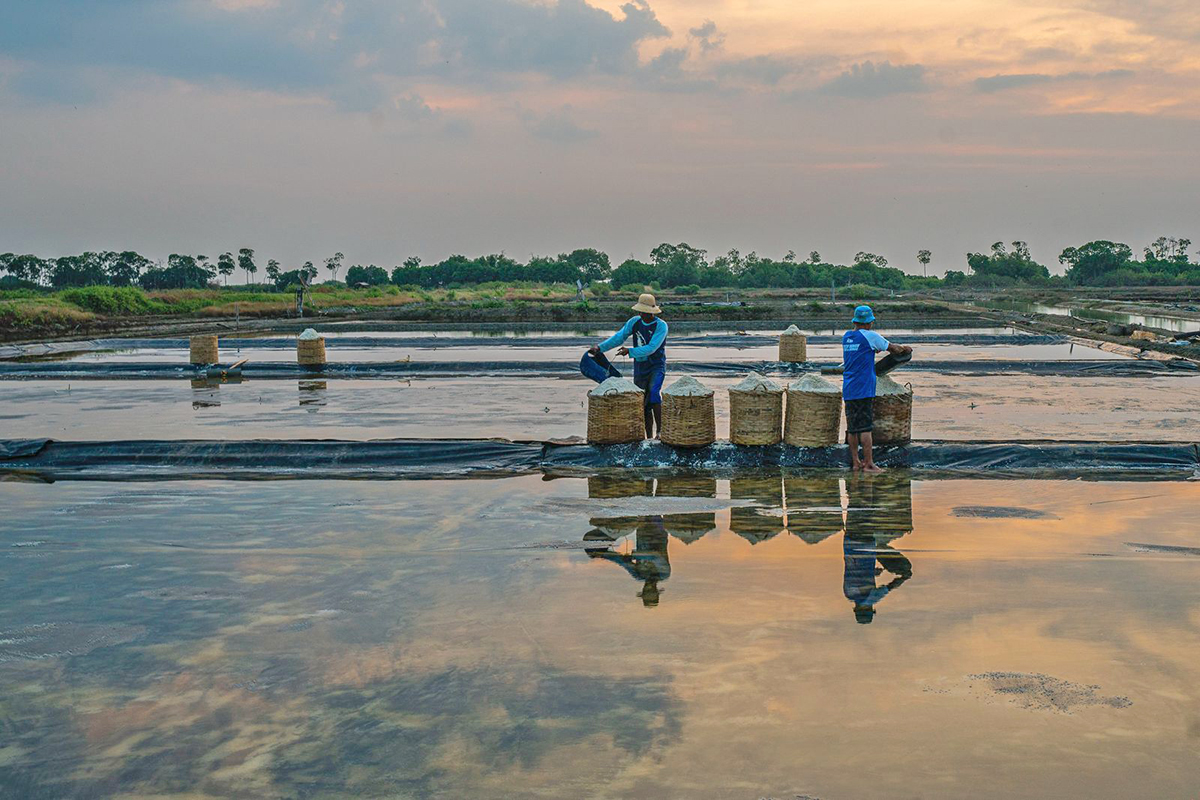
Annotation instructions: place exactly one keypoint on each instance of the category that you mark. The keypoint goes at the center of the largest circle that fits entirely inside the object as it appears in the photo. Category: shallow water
(769, 636)
(1010, 407)
(1163, 322)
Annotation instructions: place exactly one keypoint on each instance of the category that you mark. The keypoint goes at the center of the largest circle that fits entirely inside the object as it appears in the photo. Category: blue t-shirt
(858, 360)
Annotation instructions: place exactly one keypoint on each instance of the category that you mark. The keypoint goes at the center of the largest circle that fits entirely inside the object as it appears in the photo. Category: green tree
(246, 262)
(632, 271)
(589, 263)
(678, 264)
(308, 271)
(371, 276)
(924, 257)
(226, 266)
(333, 264)
(86, 269)
(863, 257)
(814, 257)
(1005, 268)
(26, 267)
(1089, 263)
(124, 268)
(273, 271)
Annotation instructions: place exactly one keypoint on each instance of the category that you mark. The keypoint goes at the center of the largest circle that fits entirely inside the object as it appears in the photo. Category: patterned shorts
(860, 415)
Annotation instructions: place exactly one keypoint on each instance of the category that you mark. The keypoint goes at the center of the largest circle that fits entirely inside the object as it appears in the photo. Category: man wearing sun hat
(859, 347)
(649, 354)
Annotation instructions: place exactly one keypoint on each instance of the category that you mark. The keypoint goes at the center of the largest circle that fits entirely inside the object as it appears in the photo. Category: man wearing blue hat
(859, 347)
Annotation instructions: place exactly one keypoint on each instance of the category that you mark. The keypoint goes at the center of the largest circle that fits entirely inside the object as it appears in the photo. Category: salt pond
(1013, 407)
(771, 636)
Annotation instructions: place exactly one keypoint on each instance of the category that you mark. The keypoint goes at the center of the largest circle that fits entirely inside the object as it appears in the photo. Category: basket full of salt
(688, 414)
(615, 413)
(755, 411)
(814, 412)
(310, 348)
(793, 345)
(893, 412)
(203, 349)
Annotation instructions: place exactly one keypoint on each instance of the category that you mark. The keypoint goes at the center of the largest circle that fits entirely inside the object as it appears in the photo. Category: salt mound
(614, 386)
(813, 384)
(687, 386)
(886, 386)
(308, 335)
(755, 383)
(792, 331)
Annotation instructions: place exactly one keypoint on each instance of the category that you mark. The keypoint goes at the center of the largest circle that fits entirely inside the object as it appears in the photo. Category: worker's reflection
(879, 510)
(647, 562)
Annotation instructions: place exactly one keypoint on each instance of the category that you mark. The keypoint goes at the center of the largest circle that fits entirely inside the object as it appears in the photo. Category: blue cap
(864, 314)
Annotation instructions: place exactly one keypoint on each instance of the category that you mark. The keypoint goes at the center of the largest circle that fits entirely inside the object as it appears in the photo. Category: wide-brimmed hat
(645, 305)
(863, 315)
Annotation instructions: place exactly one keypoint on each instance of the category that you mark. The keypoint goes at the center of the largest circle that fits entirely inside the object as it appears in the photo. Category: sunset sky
(390, 128)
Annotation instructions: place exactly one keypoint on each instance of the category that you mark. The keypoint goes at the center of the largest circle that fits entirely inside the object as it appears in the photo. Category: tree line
(1165, 261)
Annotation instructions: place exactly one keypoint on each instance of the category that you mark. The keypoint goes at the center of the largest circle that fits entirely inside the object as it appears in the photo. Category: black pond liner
(86, 370)
(49, 460)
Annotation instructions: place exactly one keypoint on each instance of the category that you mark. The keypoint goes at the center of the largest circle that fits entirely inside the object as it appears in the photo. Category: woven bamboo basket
(814, 506)
(615, 413)
(310, 352)
(688, 415)
(756, 416)
(1143, 336)
(893, 412)
(793, 346)
(814, 413)
(203, 349)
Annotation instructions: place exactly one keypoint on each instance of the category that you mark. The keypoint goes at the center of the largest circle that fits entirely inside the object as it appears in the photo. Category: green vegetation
(677, 268)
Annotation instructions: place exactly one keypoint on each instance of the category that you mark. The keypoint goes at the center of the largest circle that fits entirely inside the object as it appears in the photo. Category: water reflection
(312, 395)
(205, 393)
(647, 562)
(879, 510)
(871, 511)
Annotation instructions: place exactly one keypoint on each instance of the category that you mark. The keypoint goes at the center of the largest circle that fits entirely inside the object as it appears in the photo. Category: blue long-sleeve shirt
(642, 352)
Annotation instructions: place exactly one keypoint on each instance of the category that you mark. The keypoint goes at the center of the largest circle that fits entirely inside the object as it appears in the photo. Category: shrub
(600, 289)
(124, 301)
(634, 288)
(817, 307)
(689, 289)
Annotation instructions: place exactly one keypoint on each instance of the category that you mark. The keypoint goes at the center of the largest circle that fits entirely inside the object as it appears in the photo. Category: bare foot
(872, 469)
(856, 467)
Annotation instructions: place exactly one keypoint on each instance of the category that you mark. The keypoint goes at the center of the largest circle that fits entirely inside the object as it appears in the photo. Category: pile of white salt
(687, 386)
(755, 383)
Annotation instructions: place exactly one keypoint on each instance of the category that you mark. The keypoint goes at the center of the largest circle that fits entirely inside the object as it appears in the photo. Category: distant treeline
(1100, 263)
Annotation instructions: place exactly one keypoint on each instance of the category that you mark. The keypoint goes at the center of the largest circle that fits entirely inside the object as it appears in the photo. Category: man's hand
(594, 349)
(899, 349)
(622, 351)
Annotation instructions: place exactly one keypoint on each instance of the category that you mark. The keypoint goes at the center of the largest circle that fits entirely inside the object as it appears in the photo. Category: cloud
(708, 37)
(338, 50)
(555, 126)
(1000, 83)
(764, 69)
(870, 80)
(1170, 19)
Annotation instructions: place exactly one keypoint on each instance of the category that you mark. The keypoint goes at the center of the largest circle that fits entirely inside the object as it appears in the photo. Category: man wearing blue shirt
(649, 356)
(859, 347)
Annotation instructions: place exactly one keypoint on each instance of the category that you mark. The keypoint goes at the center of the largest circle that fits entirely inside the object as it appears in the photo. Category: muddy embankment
(752, 314)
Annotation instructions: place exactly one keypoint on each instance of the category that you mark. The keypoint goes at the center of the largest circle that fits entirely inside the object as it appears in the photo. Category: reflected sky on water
(814, 634)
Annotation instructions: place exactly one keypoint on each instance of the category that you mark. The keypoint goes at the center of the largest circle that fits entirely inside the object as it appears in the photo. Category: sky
(391, 128)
